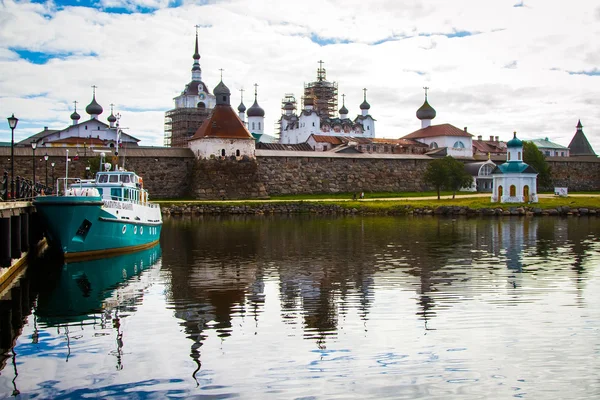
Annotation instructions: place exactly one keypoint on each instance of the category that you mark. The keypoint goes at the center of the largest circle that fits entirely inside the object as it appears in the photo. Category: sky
(493, 66)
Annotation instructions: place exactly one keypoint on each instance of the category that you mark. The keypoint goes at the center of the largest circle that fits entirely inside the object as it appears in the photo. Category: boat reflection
(94, 286)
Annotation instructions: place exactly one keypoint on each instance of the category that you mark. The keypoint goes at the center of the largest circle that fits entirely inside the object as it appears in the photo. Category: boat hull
(83, 226)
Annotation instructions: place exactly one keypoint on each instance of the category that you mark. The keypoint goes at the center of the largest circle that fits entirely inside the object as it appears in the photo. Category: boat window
(113, 179)
(115, 193)
(125, 178)
(102, 178)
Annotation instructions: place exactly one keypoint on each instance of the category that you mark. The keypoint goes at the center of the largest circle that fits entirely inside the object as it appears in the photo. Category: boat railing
(143, 199)
(62, 184)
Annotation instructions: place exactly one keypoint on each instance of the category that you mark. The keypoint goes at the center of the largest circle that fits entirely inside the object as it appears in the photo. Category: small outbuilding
(514, 181)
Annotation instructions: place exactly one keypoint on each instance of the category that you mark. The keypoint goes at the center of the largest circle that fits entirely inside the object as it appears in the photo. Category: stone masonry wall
(289, 175)
(175, 173)
(166, 172)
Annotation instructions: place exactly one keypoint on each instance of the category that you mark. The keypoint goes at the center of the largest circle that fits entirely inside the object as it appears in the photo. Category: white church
(514, 181)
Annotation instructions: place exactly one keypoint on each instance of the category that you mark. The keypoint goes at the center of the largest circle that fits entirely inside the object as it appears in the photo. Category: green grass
(382, 204)
(377, 195)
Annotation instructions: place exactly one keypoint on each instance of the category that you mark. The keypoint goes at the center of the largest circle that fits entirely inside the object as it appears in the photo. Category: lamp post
(33, 146)
(87, 172)
(52, 165)
(46, 159)
(12, 122)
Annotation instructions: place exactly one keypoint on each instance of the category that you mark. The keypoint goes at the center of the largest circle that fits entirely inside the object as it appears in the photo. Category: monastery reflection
(327, 268)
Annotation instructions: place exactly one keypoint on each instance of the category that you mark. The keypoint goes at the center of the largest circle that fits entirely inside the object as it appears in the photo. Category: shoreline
(314, 208)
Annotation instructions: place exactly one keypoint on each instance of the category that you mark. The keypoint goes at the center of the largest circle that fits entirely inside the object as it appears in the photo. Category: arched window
(486, 170)
(259, 126)
(237, 152)
(433, 145)
(500, 192)
(525, 193)
(458, 145)
(519, 156)
(224, 98)
(223, 152)
(374, 148)
(201, 105)
(509, 156)
(513, 190)
(253, 125)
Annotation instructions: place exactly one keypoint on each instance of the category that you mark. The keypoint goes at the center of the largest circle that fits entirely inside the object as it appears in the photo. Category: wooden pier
(20, 233)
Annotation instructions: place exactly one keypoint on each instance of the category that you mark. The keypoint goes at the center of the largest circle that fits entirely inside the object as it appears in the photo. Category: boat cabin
(119, 185)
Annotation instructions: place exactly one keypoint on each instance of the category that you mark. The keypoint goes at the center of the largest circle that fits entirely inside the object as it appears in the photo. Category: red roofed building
(223, 134)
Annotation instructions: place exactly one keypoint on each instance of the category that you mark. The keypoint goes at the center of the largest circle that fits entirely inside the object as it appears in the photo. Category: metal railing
(24, 189)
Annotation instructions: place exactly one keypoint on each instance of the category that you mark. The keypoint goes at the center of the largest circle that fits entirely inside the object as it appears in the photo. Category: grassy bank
(387, 203)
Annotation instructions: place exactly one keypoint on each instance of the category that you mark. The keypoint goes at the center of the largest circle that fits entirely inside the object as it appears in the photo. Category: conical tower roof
(579, 145)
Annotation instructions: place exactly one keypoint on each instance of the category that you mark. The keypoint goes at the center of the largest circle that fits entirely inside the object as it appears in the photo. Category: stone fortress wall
(172, 173)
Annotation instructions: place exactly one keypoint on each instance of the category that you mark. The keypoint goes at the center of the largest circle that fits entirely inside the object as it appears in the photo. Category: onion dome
(514, 142)
(364, 105)
(75, 116)
(288, 106)
(343, 110)
(426, 111)
(256, 110)
(241, 107)
(94, 108)
(222, 94)
(111, 118)
(221, 89)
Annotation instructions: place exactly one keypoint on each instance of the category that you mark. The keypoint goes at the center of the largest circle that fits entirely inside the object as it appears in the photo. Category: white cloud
(512, 73)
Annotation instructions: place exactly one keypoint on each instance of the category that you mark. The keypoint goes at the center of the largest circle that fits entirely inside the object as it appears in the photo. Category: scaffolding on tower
(324, 93)
(181, 124)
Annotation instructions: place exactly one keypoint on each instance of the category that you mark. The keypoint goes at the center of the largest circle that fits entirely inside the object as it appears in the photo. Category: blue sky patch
(321, 41)
(40, 58)
(127, 7)
(593, 72)
(519, 4)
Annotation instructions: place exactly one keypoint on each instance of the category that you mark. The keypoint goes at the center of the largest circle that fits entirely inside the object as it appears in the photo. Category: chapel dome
(426, 111)
(75, 116)
(514, 142)
(94, 108)
(256, 110)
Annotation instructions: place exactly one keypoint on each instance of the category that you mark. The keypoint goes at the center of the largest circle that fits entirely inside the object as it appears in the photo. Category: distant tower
(256, 115)
(242, 107)
(426, 113)
(111, 118)
(192, 107)
(343, 110)
(368, 122)
(75, 116)
(323, 93)
(94, 109)
(579, 145)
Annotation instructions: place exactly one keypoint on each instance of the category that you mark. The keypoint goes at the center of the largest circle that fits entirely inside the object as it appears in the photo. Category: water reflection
(293, 307)
(325, 269)
(72, 298)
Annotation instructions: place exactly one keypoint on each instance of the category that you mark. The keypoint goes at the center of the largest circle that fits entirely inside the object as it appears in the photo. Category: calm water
(319, 308)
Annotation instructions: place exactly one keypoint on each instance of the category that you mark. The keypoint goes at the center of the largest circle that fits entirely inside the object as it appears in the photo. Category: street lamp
(52, 165)
(46, 159)
(12, 122)
(33, 146)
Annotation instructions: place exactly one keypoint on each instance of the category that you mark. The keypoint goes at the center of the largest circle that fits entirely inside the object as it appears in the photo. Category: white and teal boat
(107, 215)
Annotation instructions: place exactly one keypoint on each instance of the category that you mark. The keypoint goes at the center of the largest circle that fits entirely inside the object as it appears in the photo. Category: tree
(436, 174)
(457, 176)
(534, 157)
